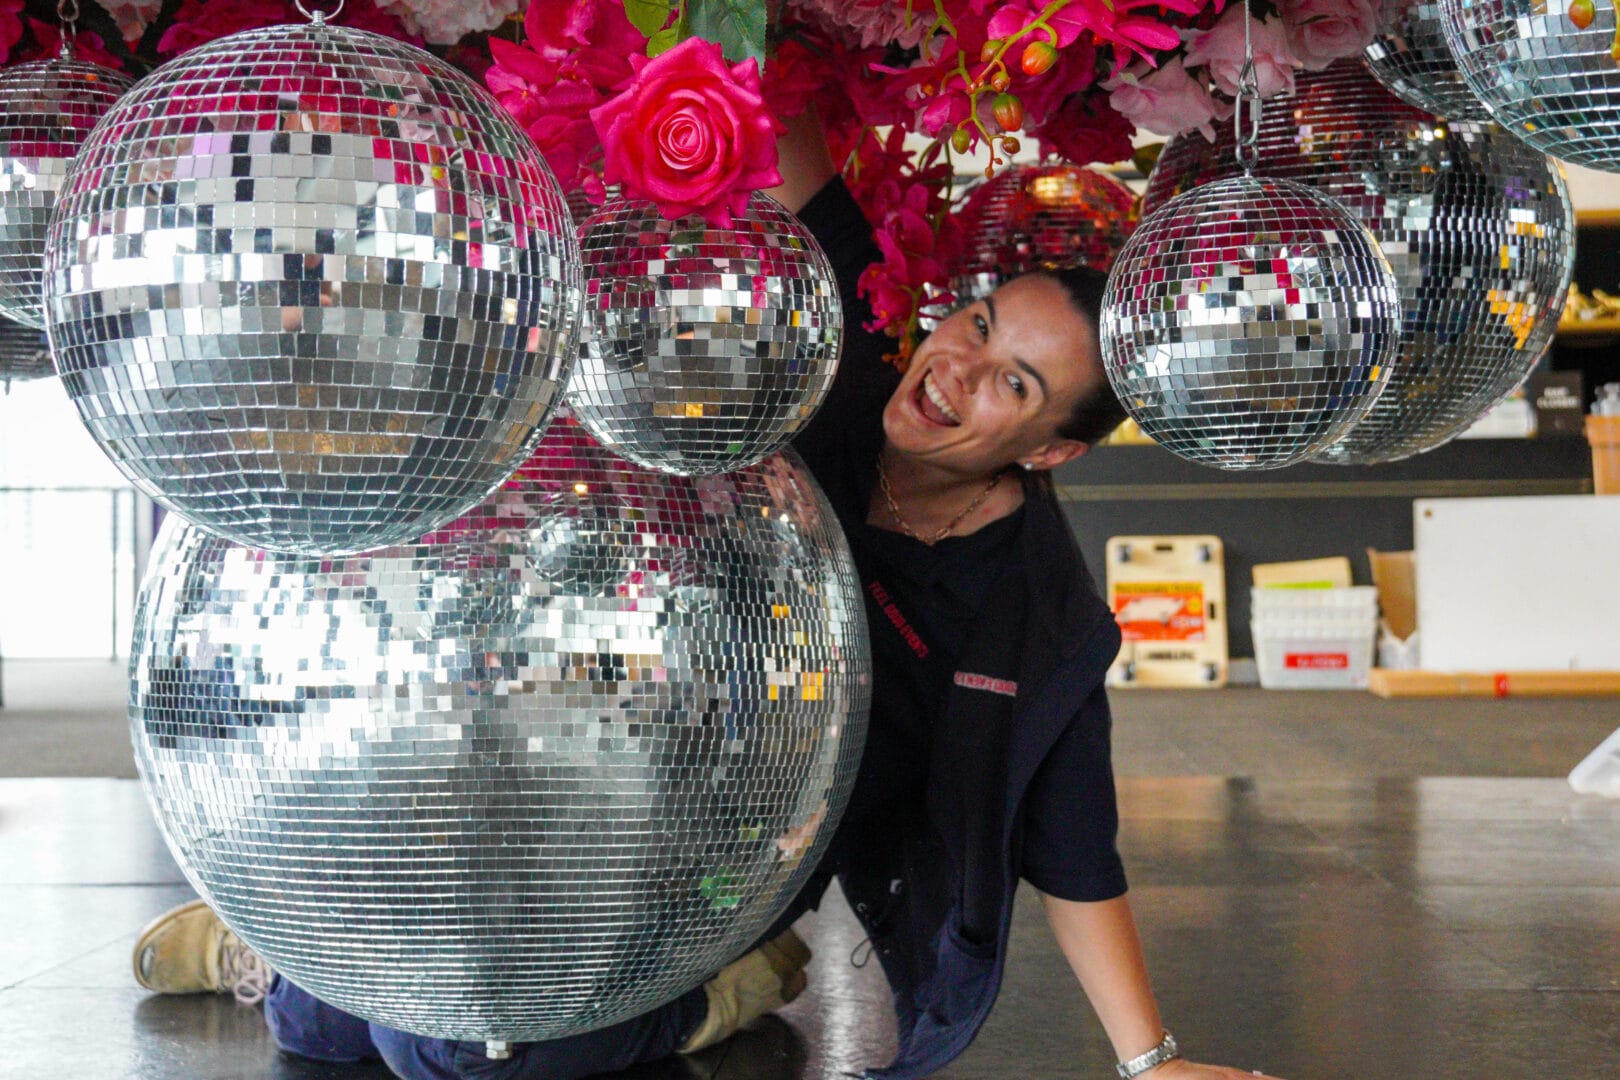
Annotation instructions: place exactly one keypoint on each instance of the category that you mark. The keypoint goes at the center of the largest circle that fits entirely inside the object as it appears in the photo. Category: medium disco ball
(47, 109)
(1249, 323)
(1478, 228)
(1409, 56)
(1544, 76)
(1040, 217)
(312, 289)
(540, 771)
(705, 349)
(23, 353)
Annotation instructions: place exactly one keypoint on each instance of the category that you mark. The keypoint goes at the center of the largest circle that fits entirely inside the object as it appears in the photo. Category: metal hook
(318, 16)
(1248, 100)
(67, 13)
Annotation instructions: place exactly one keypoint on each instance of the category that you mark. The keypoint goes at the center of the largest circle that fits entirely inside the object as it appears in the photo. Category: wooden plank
(1393, 683)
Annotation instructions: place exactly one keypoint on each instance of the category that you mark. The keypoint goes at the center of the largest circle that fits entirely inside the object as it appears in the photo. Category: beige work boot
(187, 950)
(746, 989)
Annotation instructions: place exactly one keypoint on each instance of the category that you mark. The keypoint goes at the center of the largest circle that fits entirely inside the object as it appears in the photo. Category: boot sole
(152, 928)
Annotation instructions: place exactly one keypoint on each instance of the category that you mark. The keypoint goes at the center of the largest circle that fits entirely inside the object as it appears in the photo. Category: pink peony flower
(133, 16)
(198, 22)
(1220, 52)
(1322, 31)
(574, 55)
(690, 134)
(11, 27)
(1087, 128)
(445, 22)
(87, 46)
(870, 22)
(1167, 102)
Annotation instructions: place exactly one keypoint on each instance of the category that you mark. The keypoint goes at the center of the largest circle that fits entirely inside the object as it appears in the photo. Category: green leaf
(737, 26)
(648, 16)
(663, 41)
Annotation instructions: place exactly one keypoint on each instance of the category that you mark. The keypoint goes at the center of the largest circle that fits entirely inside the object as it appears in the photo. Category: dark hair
(1099, 410)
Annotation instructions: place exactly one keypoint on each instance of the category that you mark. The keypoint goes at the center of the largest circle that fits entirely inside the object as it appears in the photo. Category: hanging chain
(319, 17)
(1246, 114)
(67, 13)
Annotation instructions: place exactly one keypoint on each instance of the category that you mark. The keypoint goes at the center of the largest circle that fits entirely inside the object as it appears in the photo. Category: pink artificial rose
(1322, 31)
(690, 134)
(1220, 51)
(11, 27)
(1167, 102)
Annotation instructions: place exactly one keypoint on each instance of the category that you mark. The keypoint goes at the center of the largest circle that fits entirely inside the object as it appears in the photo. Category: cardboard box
(1310, 574)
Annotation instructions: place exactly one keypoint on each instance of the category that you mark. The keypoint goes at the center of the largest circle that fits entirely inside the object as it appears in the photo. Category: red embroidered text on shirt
(881, 595)
(984, 682)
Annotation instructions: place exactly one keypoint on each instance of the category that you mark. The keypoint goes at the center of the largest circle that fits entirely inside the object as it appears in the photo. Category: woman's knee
(302, 1024)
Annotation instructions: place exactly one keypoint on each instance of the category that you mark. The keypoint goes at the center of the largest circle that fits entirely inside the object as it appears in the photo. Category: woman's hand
(1181, 1069)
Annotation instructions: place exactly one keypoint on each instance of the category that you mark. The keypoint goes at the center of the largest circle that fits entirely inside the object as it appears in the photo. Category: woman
(988, 753)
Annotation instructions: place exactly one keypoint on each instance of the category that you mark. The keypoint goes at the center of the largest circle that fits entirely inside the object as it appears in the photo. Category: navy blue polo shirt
(922, 605)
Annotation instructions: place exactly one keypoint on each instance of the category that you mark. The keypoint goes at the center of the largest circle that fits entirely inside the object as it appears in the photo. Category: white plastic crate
(1314, 639)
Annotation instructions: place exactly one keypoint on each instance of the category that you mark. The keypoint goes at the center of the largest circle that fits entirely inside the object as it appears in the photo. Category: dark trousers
(304, 1025)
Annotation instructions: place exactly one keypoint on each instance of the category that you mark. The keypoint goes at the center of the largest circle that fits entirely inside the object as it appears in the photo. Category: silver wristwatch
(1165, 1051)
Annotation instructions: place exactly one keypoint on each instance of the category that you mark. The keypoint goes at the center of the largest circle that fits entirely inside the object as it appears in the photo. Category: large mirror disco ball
(312, 289)
(24, 354)
(705, 349)
(47, 110)
(1478, 228)
(1409, 56)
(1039, 217)
(1249, 323)
(1546, 77)
(541, 771)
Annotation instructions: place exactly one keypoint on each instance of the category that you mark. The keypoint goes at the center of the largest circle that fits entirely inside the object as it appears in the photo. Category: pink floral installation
(680, 101)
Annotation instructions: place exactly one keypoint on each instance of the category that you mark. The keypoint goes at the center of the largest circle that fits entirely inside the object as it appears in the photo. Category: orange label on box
(1317, 661)
(1160, 610)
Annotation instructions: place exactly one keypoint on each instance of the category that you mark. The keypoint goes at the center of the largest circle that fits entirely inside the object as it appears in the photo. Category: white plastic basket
(1314, 639)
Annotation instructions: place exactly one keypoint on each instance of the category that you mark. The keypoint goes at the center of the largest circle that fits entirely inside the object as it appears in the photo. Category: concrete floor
(1329, 886)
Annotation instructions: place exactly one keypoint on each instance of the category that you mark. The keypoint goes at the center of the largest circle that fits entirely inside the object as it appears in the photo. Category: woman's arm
(1100, 942)
(804, 159)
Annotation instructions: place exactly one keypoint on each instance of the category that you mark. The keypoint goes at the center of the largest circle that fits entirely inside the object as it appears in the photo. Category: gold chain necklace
(905, 527)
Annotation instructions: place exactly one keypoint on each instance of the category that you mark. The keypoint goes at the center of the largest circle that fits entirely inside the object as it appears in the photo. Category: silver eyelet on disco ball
(1250, 323)
(1549, 80)
(705, 349)
(24, 354)
(1478, 228)
(545, 769)
(1039, 217)
(47, 109)
(312, 289)
(1409, 56)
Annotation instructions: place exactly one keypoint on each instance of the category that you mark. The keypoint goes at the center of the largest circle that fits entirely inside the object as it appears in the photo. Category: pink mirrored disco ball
(1477, 226)
(1250, 323)
(1040, 217)
(1548, 74)
(47, 110)
(539, 771)
(705, 349)
(1410, 57)
(312, 289)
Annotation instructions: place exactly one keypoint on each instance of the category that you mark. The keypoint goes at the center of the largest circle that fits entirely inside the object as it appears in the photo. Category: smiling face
(995, 382)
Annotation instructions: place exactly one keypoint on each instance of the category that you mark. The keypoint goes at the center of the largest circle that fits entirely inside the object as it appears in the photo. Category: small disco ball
(705, 349)
(1547, 70)
(47, 109)
(23, 353)
(1409, 56)
(542, 770)
(1040, 217)
(1249, 323)
(1478, 228)
(312, 289)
